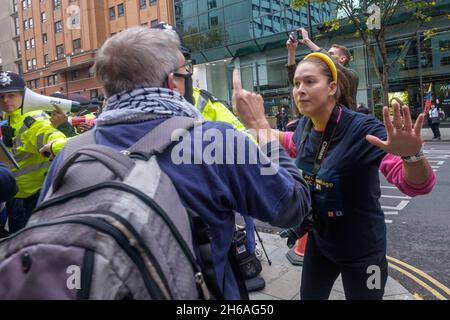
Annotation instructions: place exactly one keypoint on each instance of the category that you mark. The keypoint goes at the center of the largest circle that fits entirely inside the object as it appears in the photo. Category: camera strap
(325, 141)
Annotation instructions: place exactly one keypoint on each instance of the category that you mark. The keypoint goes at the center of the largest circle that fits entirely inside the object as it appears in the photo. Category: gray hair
(136, 57)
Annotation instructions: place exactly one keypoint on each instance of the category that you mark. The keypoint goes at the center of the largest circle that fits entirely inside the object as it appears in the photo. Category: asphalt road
(418, 231)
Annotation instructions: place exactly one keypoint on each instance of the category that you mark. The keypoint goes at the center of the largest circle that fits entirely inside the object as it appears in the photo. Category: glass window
(44, 38)
(142, 4)
(60, 51)
(76, 45)
(16, 25)
(152, 2)
(93, 93)
(188, 8)
(237, 12)
(56, 4)
(120, 10)
(112, 13)
(75, 74)
(58, 26)
(43, 16)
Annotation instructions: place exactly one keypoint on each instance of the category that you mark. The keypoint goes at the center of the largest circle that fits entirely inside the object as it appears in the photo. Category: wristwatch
(416, 158)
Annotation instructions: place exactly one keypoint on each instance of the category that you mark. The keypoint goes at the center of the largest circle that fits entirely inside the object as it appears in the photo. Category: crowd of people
(334, 196)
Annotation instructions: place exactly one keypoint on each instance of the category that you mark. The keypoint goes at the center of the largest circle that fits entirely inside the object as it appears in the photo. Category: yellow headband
(325, 58)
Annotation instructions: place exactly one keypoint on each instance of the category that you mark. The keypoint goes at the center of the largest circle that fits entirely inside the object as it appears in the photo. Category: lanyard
(326, 139)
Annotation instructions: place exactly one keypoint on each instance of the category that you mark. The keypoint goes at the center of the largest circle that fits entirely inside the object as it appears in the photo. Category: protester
(282, 119)
(362, 108)
(25, 134)
(435, 121)
(142, 94)
(212, 109)
(340, 54)
(340, 153)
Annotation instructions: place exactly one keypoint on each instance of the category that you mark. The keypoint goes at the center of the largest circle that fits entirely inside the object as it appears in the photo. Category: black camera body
(295, 35)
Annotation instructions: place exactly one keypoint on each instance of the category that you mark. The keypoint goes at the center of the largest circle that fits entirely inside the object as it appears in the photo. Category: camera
(295, 35)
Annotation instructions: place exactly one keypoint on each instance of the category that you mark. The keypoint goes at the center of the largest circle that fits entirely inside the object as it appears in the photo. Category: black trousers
(319, 274)
(435, 129)
(19, 211)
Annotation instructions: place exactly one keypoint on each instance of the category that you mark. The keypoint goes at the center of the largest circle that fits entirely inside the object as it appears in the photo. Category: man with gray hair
(142, 70)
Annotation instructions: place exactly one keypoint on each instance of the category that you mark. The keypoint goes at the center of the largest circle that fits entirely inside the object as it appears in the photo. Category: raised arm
(404, 140)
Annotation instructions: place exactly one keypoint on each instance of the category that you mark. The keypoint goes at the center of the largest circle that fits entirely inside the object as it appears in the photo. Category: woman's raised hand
(403, 139)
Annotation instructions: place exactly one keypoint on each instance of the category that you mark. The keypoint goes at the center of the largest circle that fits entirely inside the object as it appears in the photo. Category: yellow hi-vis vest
(33, 166)
(212, 109)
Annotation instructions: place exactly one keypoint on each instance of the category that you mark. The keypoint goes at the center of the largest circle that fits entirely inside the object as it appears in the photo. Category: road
(418, 231)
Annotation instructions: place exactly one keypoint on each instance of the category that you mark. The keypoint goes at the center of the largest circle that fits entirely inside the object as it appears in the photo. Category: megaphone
(33, 101)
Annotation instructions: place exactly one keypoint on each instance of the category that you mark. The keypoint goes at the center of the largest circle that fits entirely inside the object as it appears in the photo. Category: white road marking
(399, 207)
(395, 197)
(436, 158)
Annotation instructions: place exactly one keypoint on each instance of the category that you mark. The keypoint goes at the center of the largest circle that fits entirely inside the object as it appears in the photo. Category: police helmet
(11, 82)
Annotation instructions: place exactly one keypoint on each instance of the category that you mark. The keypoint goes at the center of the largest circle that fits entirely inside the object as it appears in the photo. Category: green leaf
(428, 34)
(298, 3)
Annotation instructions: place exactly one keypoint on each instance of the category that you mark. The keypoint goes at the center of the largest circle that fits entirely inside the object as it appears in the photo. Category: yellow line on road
(420, 282)
(423, 274)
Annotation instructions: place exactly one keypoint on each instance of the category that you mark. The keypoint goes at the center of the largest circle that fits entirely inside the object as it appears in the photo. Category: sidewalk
(427, 135)
(283, 279)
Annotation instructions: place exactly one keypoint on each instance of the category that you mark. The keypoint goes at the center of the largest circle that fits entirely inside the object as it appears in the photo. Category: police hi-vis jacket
(32, 130)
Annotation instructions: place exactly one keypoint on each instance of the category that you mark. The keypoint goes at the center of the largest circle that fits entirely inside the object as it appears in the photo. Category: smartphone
(295, 35)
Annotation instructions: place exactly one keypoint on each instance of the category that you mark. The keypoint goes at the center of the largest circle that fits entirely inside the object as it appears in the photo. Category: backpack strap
(78, 142)
(202, 240)
(157, 140)
(116, 162)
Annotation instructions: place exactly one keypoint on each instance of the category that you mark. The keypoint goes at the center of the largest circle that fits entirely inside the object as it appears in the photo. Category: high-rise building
(59, 38)
(251, 35)
(10, 50)
(252, 31)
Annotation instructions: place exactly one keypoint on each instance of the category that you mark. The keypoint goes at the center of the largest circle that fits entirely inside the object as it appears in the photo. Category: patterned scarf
(144, 104)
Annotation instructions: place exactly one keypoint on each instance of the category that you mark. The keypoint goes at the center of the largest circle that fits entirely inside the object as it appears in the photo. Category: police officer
(25, 134)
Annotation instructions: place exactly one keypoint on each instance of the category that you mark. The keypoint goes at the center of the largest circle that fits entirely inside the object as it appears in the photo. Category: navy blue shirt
(217, 191)
(8, 186)
(346, 196)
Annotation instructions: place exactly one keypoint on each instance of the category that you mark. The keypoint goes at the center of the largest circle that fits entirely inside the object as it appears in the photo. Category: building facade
(59, 38)
(10, 50)
(252, 35)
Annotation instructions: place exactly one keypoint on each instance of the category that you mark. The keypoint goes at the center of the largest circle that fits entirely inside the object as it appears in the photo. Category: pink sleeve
(392, 168)
(289, 145)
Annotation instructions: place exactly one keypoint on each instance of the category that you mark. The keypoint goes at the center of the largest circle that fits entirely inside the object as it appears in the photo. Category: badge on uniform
(332, 214)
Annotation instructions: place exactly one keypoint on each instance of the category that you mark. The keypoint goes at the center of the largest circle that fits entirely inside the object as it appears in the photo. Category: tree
(370, 18)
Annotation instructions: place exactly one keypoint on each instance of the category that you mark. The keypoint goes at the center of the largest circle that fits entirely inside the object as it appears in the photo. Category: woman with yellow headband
(340, 153)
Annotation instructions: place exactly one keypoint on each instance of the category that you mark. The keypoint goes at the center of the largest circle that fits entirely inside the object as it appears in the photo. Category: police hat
(166, 26)
(11, 82)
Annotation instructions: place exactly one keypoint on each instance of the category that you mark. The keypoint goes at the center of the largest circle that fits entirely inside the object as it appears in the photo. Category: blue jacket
(8, 186)
(216, 191)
